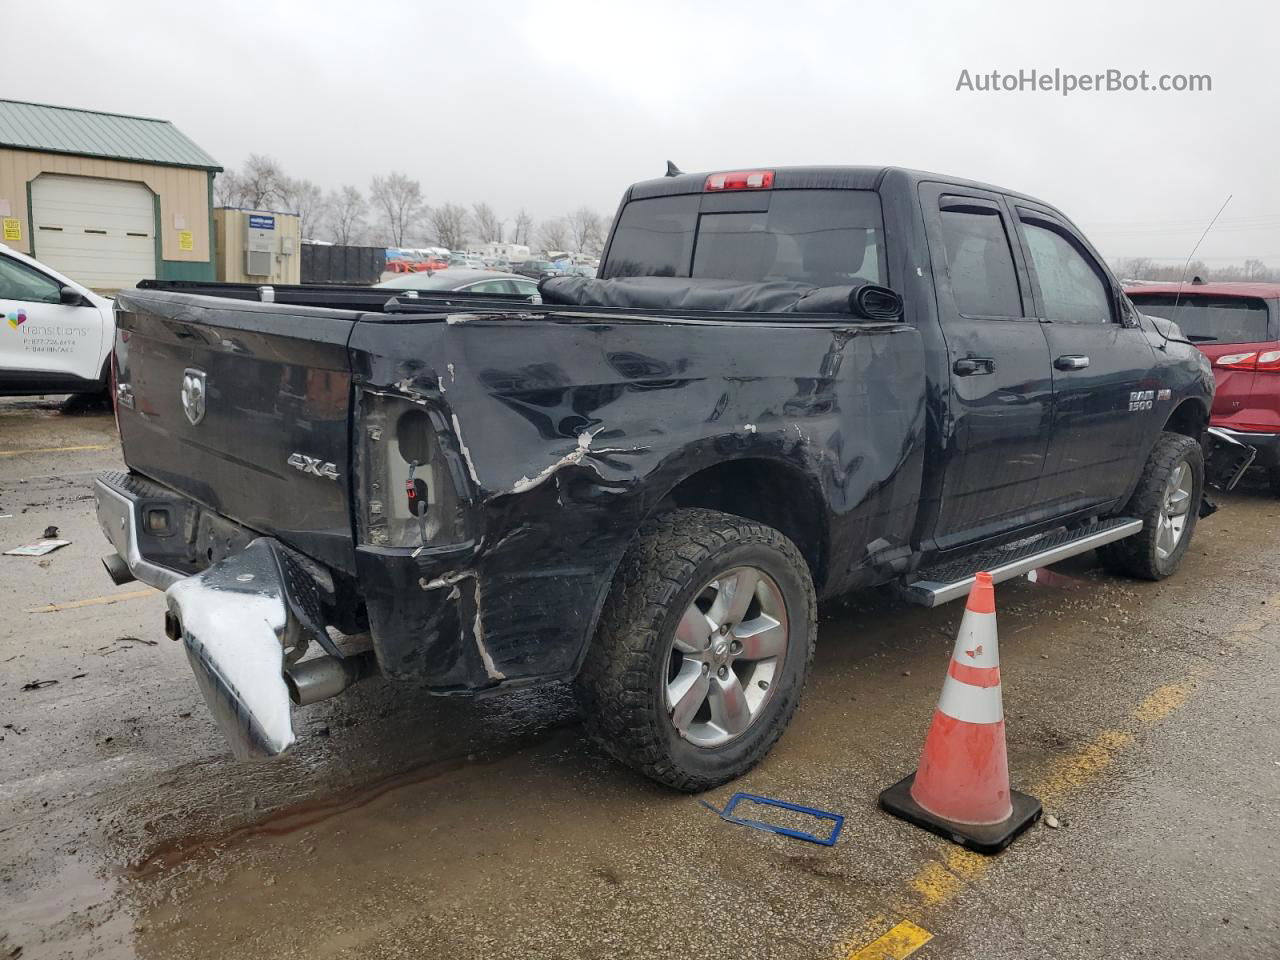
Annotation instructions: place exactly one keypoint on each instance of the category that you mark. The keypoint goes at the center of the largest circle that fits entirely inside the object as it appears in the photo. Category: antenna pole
(1183, 278)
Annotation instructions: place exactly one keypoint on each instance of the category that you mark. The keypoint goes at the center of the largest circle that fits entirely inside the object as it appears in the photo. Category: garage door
(98, 232)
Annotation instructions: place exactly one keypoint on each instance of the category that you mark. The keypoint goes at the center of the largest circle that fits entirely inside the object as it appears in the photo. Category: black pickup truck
(784, 385)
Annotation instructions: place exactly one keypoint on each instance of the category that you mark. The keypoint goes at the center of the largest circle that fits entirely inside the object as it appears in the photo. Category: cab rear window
(823, 237)
(1209, 319)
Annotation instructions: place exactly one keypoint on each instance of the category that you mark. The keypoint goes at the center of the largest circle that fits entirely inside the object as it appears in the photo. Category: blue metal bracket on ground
(728, 814)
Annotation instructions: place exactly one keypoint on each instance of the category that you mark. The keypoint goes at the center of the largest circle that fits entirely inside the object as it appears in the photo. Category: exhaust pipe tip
(117, 569)
(324, 677)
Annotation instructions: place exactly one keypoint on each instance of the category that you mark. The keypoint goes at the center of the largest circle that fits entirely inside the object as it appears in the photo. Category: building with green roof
(107, 199)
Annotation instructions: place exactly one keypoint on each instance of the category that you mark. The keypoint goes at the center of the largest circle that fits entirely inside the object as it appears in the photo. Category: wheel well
(782, 496)
(1189, 419)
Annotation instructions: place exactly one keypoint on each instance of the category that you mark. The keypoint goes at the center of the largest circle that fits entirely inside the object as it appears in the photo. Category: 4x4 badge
(313, 466)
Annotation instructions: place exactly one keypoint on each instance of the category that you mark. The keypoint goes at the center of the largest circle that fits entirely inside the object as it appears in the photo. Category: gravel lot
(1145, 716)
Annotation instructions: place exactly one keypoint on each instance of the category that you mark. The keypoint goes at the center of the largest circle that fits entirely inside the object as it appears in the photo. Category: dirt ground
(1146, 717)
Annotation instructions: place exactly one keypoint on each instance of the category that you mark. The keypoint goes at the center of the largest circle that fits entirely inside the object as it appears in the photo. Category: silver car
(466, 281)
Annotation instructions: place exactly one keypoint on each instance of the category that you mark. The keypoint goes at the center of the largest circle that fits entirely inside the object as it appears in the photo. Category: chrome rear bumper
(235, 618)
(118, 515)
(234, 622)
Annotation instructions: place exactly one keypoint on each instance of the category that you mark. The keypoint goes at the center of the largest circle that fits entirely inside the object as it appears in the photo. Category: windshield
(823, 237)
(1208, 319)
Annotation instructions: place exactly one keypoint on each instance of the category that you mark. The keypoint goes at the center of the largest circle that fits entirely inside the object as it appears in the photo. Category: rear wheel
(702, 650)
(1167, 500)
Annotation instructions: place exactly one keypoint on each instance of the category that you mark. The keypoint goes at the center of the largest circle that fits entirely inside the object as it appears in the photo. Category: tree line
(393, 212)
(1144, 268)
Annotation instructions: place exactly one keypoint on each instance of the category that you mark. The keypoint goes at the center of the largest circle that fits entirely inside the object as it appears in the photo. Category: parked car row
(418, 261)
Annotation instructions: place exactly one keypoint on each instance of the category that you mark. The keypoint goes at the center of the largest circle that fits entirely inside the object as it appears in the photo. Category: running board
(951, 580)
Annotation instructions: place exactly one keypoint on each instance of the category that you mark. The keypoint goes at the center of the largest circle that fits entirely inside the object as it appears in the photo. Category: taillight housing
(1269, 361)
(1261, 361)
(739, 180)
(406, 487)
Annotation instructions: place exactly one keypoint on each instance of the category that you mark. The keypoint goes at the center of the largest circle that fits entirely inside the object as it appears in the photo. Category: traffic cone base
(980, 838)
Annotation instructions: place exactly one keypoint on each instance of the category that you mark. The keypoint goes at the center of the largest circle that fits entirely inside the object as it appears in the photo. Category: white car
(55, 335)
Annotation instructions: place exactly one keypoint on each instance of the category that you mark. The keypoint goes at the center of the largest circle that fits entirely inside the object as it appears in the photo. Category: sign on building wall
(12, 230)
(185, 240)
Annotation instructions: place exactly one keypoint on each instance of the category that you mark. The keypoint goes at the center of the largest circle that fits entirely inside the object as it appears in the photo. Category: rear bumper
(121, 500)
(235, 618)
(234, 621)
(1267, 445)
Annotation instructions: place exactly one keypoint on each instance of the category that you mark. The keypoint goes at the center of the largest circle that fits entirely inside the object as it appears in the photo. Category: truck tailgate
(243, 407)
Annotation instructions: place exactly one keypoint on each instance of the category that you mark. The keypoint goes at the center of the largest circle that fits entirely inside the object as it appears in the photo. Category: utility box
(257, 246)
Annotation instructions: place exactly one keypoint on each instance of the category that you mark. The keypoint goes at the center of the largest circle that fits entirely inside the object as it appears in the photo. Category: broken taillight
(406, 484)
(739, 180)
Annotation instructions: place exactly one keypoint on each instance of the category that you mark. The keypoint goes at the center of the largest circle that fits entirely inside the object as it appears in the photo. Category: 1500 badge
(312, 465)
(1141, 400)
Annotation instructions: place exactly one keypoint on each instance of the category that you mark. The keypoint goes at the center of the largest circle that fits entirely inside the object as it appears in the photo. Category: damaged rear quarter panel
(569, 432)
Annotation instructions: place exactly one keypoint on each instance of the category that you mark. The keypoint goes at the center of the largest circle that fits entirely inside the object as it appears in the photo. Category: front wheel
(1167, 501)
(702, 650)
(1273, 476)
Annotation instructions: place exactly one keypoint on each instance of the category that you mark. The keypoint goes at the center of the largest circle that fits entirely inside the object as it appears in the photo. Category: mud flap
(1226, 459)
(235, 620)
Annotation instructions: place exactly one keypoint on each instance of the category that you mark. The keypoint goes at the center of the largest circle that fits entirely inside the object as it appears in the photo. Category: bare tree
(1133, 268)
(398, 200)
(488, 226)
(347, 210)
(306, 200)
(1255, 270)
(262, 182)
(524, 227)
(554, 234)
(585, 230)
(228, 191)
(449, 223)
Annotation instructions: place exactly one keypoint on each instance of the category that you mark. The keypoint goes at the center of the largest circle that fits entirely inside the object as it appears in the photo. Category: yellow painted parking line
(941, 880)
(91, 602)
(898, 944)
(85, 446)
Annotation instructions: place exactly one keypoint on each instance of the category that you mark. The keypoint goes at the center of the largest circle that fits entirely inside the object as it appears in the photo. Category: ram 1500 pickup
(785, 384)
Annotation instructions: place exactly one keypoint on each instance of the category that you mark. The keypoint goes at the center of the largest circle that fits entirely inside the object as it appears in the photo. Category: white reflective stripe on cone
(970, 704)
(976, 643)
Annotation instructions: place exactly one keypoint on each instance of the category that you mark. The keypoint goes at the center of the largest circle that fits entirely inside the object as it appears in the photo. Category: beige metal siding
(183, 193)
(230, 225)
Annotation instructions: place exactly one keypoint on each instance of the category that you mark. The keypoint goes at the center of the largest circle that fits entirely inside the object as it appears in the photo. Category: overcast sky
(551, 105)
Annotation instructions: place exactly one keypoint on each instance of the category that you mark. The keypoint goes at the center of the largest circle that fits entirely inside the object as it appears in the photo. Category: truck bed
(559, 429)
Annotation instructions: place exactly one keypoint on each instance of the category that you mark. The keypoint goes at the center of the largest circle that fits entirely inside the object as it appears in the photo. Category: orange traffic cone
(961, 788)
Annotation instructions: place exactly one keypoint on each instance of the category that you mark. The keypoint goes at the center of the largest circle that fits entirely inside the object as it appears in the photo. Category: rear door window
(979, 259)
(1207, 319)
(822, 237)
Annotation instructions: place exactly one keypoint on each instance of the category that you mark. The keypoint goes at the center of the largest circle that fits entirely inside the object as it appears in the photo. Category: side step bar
(951, 580)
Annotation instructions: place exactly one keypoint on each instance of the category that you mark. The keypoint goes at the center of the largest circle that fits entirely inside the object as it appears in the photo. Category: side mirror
(70, 298)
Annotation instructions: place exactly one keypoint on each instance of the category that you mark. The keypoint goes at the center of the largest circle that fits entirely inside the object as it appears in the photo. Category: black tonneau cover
(680, 294)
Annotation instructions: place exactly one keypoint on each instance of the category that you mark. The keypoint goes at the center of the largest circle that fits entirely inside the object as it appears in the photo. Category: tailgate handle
(974, 367)
(1071, 362)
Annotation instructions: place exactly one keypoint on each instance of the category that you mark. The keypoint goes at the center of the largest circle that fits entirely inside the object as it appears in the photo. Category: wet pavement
(1145, 716)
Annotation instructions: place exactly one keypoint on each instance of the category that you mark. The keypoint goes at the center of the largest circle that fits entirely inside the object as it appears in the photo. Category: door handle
(974, 366)
(1071, 362)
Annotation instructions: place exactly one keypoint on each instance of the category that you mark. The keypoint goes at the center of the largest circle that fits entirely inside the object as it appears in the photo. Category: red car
(1237, 325)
